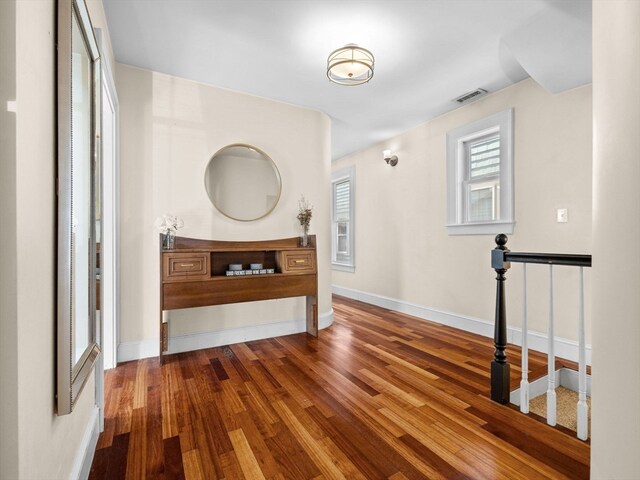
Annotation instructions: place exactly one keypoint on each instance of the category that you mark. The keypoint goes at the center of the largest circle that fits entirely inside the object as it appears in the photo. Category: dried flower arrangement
(305, 212)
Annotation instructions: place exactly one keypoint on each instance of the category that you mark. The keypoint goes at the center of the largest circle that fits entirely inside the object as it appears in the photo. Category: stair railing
(501, 258)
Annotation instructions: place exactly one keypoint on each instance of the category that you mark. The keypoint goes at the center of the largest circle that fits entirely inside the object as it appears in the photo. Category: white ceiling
(427, 52)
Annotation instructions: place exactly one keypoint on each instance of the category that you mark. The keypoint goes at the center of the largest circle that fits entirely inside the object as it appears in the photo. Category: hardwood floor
(380, 395)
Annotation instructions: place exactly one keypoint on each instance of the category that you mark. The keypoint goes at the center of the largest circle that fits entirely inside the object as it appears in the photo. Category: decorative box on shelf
(264, 271)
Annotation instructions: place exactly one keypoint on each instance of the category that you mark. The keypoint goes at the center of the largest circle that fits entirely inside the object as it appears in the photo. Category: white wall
(615, 443)
(170, 128)
(38, 444)
(402, 247)
(8, 252)
(35, 442)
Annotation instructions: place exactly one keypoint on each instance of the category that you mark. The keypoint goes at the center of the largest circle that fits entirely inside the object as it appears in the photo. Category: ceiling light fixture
(350, 65)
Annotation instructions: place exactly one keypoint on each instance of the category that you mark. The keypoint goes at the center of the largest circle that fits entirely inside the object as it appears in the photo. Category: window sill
(492, 228)
(343, 267)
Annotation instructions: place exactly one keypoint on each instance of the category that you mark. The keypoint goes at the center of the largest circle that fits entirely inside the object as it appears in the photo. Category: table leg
(312, 315)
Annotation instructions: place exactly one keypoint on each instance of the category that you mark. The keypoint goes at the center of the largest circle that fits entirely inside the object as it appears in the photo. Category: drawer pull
(186, 264)
(299, 261)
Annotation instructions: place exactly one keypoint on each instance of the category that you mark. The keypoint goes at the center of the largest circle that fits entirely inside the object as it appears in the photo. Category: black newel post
(499, 365)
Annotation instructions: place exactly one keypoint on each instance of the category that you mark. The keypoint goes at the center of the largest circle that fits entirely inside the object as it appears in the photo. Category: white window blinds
(484, 157)
(342, 201)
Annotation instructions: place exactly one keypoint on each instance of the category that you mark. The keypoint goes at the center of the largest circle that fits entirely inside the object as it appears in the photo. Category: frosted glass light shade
(350, 65)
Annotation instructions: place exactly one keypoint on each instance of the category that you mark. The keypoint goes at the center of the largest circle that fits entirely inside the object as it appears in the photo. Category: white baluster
(524, 383)
(551, 371)
(583, 409)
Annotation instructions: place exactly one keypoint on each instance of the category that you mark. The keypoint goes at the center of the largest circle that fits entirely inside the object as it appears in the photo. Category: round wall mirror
(243, 182)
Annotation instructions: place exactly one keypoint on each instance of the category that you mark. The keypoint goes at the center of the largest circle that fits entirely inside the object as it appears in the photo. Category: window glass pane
(481, 204)
(342, 244)
(342, 239)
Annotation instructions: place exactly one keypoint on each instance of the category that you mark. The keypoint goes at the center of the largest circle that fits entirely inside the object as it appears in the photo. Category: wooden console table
(193, 274)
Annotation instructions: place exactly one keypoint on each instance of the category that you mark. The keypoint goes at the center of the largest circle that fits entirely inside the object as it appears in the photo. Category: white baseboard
(564, 377)
(564, 348)
(84, 456)
(469, 324)
(128, 351)
(571, 380)
(184, 343)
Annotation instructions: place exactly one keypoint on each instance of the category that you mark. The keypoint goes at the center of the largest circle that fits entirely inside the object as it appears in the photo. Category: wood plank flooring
(380, 395)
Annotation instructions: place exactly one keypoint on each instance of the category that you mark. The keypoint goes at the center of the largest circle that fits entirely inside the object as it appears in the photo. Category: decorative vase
(168, 240)
(304, 237)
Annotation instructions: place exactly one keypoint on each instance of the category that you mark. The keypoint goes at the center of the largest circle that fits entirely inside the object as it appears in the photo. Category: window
(342, 243)
(480, 176)
(482, 179)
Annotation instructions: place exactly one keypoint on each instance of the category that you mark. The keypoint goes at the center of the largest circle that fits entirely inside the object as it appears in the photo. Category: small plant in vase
(168, 225)
(305, 212)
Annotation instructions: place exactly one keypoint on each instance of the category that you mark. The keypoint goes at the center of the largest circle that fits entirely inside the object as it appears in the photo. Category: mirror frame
(71, 377)
(267, 157)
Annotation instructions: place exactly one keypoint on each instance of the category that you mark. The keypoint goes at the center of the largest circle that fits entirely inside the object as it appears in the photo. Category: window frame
(458, 207)
(339, 177)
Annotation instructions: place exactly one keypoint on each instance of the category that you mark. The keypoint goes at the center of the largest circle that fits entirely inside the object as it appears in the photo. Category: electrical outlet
(562, 215)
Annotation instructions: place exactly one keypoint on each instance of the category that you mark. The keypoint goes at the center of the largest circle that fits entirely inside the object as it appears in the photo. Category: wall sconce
(390, 159)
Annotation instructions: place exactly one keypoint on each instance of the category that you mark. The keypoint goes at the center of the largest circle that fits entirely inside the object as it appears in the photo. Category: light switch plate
(562, 215)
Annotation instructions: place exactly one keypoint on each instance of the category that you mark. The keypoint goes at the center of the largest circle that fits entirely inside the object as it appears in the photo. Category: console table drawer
(298, 262)
(183, 266)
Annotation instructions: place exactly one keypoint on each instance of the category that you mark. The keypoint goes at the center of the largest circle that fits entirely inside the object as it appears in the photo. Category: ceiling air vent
(465, 97)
